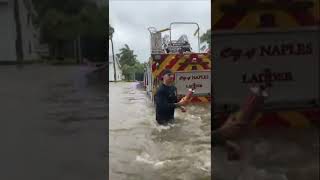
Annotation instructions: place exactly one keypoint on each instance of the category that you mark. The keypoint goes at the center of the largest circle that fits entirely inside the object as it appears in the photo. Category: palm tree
(206, 37)
(128, 62)
(111, 31)
(127, 56)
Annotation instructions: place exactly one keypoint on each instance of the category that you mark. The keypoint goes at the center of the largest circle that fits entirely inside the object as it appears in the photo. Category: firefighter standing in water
(166, 99)
(166, 103)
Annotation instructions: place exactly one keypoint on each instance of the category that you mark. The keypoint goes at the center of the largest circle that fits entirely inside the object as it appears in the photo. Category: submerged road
(53, 124)
(140, 149)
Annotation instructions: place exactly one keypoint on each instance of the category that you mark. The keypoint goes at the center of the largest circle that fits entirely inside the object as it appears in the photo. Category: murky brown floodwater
(139, 149)
(53, 114)
(53, 124)
(272, 155)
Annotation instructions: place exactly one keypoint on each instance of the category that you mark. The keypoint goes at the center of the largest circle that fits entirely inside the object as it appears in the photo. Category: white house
(8, 31)
(119, 75)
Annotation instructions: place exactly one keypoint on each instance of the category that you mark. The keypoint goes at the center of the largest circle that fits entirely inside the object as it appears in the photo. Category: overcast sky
(131, 18)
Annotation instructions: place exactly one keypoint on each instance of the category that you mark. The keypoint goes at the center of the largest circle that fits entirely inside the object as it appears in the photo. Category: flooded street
(53, 124)
(140, 149)
(54, 114)
(272, 155)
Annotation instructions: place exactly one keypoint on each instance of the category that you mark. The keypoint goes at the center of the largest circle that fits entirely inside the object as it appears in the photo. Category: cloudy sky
(131, 18)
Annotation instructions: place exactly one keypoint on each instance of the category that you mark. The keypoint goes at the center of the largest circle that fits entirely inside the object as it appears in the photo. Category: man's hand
(232, 127)
(183, 102)
(234, 151)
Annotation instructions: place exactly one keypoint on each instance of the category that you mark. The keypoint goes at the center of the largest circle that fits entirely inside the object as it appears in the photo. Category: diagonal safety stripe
(256, 120)
(154, 64)
(218, 14)
(250, 20)
(187, 61)
(271, 119)
(188, 68)
(205, 61)
(295, 119)
(285, 20)
(184, 64)
(304, 18)
(229, 20)
(171, 63)
(312, 115)
(174, 61)
(199, 67)
(207, 66)
(177, 65)
(163, 64)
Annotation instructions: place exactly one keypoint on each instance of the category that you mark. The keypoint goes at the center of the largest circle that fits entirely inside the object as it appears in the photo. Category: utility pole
(114, 62)
(19, 49)
(79, 60)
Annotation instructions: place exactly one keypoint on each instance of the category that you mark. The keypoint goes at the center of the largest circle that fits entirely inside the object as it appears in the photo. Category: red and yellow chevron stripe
(180, 62)
(289, 119)
(238, 18)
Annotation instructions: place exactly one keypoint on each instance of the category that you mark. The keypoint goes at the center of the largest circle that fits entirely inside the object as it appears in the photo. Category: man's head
(168, 77)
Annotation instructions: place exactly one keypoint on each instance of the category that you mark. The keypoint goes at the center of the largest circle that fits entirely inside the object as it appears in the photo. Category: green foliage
(128, 72)
(127, 57)
(206, 37)
(63, 21)
(139, 67)
(94, 21)
(111, 31)
(131, 68)
(55, 26)
(60, 20)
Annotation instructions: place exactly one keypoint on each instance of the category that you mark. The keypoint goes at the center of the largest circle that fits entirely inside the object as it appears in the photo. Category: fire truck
(192, 69)
(274, 43)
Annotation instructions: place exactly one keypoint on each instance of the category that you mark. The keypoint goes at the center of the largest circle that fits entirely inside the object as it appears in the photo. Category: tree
(62, 21)
(131, 68)
(111, 31)
(128, 72)
(127, 57)
(93, 39)
(206, 37)
(139, 71)
(59, 21)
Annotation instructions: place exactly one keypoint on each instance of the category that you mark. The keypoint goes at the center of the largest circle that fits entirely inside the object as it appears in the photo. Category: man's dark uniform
(165, 99)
